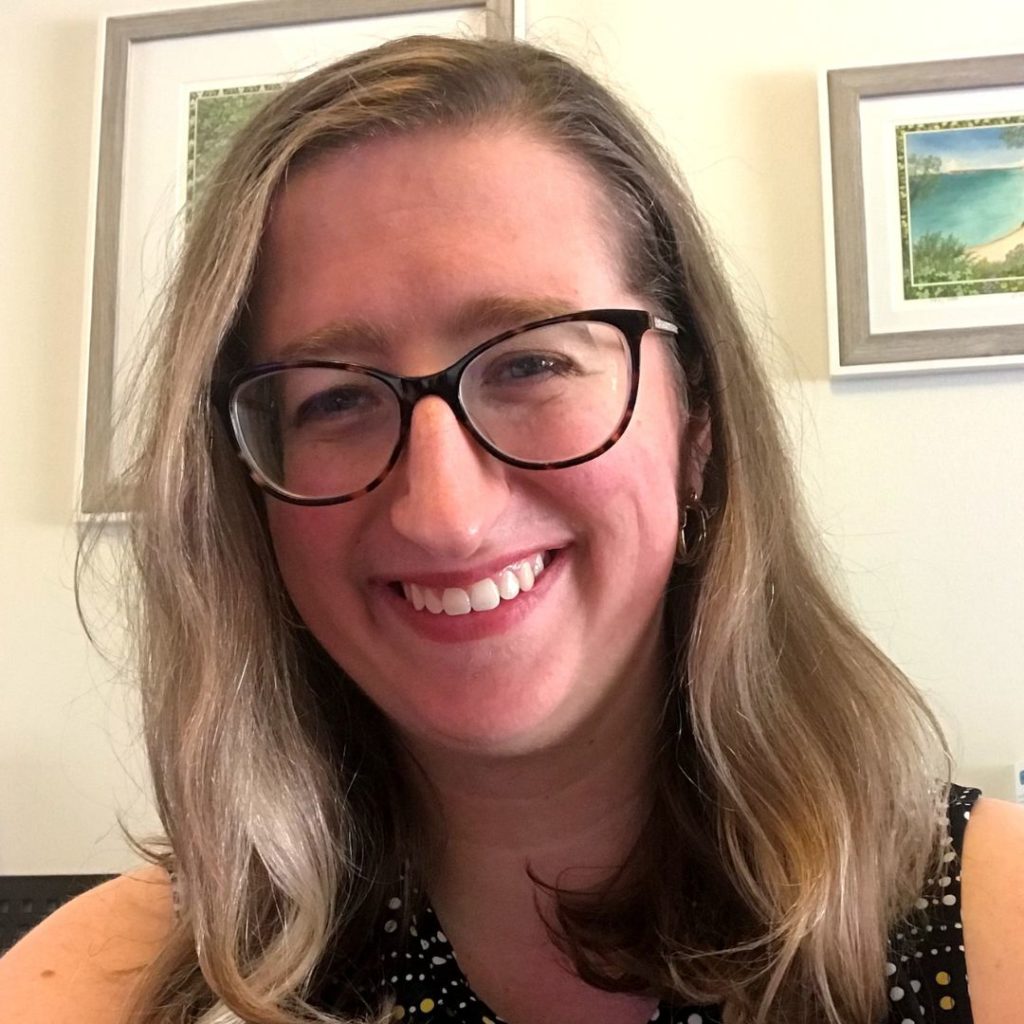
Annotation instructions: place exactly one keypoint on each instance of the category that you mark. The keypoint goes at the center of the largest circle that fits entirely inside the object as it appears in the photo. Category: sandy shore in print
(996, 250)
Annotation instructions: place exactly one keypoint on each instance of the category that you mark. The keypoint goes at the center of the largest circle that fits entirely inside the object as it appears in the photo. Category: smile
(483, 595)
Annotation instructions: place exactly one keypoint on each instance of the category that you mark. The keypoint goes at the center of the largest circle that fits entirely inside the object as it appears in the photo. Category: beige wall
(918, 482)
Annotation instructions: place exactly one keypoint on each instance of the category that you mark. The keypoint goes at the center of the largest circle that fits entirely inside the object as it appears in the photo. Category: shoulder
(993, 910)
(81, 963)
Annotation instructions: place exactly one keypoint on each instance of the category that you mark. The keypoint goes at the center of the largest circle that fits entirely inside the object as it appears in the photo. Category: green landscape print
(214, 115)
(962, 207)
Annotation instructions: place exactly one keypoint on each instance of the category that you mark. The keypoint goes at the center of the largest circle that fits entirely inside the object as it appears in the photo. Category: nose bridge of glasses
(444, 384)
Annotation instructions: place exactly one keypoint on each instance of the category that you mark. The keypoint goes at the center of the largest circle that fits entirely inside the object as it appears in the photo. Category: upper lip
(464, 577)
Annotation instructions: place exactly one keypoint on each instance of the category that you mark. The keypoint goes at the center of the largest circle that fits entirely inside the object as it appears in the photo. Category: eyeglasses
(547, 395)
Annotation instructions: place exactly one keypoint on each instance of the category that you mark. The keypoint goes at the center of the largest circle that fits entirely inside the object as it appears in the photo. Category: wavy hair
(796, 805)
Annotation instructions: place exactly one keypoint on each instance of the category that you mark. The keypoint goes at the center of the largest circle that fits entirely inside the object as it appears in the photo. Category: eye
(334, 403)
(524, 366)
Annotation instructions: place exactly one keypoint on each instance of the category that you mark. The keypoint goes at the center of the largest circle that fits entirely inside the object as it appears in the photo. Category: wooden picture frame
(903, 298)
(122, 288)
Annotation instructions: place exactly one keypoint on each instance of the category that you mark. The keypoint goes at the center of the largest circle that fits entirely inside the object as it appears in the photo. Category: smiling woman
(421, 208)
(485, 663)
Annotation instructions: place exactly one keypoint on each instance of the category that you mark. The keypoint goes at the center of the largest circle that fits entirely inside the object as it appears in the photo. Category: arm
(79, 966)
(993, 910)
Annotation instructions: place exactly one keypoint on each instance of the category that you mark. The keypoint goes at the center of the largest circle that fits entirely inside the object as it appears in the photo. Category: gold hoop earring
(693, 530)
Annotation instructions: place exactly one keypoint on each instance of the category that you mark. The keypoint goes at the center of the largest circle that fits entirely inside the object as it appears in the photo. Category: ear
(695, 450)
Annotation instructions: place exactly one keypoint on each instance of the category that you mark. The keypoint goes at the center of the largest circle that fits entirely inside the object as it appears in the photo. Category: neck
(568, 814)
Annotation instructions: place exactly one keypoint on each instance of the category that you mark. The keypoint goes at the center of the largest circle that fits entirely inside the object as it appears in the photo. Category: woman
(474, 590)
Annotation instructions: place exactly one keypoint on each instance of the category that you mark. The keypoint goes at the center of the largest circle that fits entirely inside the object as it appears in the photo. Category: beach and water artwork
(214, 116)
(962, 207)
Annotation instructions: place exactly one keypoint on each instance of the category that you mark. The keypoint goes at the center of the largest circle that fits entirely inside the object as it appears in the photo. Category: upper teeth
(481, 596)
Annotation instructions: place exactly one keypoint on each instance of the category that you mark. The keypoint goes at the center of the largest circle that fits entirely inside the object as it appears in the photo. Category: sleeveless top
(925, 969)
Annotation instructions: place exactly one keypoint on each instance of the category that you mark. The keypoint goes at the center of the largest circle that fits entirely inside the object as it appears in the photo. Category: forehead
(406, 231)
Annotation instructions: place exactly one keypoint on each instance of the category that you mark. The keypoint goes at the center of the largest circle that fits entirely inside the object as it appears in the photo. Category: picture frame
(156, 72)
(924, 232)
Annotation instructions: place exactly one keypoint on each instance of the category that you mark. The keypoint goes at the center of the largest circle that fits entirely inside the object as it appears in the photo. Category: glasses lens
(550, 394)
(317, 432)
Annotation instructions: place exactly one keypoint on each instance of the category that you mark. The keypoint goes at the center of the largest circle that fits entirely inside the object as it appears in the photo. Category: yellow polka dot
(398, 1013)
(427, 1005)
(947, 1002)
(942, 977)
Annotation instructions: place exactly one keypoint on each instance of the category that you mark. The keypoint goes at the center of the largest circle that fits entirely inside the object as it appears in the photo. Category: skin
(534, 738)
(431, 226)
(80, 965)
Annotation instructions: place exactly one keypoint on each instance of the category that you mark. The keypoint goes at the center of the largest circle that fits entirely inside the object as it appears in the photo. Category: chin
(501, 731)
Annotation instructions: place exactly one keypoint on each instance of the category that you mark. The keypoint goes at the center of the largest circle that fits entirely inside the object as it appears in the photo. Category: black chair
(26, 899)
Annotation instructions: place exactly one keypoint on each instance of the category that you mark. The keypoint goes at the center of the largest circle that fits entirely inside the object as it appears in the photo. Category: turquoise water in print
(975, 206)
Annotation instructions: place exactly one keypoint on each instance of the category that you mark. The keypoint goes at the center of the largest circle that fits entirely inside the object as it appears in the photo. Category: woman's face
(436, 241)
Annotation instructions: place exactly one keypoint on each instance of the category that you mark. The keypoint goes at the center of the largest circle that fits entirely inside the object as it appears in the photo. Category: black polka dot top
(925, 970)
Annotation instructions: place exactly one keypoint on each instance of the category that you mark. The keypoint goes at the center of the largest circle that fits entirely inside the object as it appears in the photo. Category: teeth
(526, 575)
(508, 584)
(482, 596)
(456, 601)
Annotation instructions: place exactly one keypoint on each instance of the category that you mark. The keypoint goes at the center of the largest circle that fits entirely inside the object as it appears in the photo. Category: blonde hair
(796, 806)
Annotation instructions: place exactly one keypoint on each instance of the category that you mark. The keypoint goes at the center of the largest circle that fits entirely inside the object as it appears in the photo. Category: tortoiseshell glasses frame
(446, 384)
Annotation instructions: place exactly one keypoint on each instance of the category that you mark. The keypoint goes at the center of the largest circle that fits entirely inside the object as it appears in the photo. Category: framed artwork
(174, 87)
(924, 215)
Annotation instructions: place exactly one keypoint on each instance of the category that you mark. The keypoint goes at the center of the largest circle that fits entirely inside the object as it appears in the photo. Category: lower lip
(455, 629)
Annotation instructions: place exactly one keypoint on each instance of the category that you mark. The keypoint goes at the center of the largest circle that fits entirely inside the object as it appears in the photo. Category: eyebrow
(485, 315)
(495, 313)
(334, 338)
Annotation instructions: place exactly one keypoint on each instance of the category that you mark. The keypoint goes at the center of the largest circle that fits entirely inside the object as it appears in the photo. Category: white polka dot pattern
(428, 986)
(925, 972)
(927, 969)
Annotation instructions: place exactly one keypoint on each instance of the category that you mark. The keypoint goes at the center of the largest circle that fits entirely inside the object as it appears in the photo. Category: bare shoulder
(80, 964)
(993, 910)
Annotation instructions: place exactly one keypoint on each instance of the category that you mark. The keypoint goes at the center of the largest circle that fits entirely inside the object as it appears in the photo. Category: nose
(451, 491)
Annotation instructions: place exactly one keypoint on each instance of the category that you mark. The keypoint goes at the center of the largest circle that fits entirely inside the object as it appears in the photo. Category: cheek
(628, 498)
(291, 534)
(309, 544)
(646, 460)
(655, 439)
